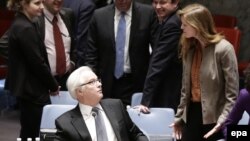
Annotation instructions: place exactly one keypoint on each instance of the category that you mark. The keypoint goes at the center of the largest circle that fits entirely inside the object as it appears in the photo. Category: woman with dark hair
(29, 77)
(210, 77)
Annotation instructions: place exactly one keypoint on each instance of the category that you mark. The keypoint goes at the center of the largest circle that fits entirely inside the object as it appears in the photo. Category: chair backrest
(232, 35)
(6, 18)
(245, 120)
(154, 125)
(136, 99)
(63, 98)
(225, 21)
(51, 112)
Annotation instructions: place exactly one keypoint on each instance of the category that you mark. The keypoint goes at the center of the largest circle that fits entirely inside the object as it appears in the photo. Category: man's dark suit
(83, 10)
(163, 82)
(67, 16)
(101, 52)
(71, 126)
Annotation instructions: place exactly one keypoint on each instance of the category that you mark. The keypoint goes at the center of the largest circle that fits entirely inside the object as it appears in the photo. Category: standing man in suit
(83, 11)
(103, 52)
(80, 123)
(64, 19)
(163, 82)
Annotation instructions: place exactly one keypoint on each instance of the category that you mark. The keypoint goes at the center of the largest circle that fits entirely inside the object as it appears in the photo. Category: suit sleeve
(163, 57)
(237, 111)
(85, 14)
(135, 133)
(73, 49)
(92, 50)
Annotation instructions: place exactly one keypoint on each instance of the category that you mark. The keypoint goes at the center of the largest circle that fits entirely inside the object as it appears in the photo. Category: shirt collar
(48, 15)
(86, 110)
(128, 13)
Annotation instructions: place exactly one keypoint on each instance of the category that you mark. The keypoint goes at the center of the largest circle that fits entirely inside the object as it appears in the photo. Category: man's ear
(79, 91)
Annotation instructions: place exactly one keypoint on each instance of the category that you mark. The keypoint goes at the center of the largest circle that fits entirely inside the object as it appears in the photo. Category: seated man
(81, 123)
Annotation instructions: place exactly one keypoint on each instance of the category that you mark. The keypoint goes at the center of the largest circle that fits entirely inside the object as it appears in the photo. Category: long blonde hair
(200, 18)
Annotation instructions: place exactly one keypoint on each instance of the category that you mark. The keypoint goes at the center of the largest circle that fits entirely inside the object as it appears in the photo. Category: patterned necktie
(101, 132)
(120, 45)
(59, 46)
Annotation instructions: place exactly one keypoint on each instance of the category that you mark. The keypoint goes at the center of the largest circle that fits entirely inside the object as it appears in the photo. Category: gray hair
(77, 78)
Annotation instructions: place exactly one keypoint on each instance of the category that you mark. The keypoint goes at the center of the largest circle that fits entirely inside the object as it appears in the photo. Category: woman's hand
(216, 128)
(177, 130)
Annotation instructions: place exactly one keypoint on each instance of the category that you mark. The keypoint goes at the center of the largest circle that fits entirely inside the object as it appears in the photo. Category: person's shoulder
(223, 42)
(111, 100)
(173, 19)
(20, 25)
(65, 11)
(105, 9)
(223, 46)
(142, 5)
(66, 116)
(244, 94)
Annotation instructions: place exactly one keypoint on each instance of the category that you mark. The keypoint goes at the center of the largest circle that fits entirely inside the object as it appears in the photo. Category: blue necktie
(120, 45)
(101, 132)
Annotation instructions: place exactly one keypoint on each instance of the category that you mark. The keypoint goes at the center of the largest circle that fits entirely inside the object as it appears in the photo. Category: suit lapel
(79, 124)
(66, 21)
(41, 24)
(111, 114)
(110, 24)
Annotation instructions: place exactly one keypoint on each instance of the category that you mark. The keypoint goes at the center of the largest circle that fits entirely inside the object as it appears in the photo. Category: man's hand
(143, 109)
(55, 93)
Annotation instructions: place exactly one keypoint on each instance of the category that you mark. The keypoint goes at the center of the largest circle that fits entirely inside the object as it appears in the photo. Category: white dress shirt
(50, 43)
(128, 17)
(89, 119)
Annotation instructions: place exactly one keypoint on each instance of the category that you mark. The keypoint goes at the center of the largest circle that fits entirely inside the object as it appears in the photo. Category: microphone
(94, 114)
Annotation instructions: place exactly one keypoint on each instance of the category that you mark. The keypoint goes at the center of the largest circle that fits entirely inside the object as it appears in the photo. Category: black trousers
(123, 88)
(194, 130)
(30, 119)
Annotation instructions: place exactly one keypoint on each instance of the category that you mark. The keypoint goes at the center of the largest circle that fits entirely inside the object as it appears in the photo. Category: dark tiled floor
(9, 125)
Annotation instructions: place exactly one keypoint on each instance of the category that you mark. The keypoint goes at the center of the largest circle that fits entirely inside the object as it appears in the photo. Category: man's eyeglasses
(92, 82)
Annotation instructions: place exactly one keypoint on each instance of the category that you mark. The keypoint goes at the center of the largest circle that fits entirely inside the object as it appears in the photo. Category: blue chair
(136, 99)
(7, 101)
(63, 98)
(50, 113)
(154, 125)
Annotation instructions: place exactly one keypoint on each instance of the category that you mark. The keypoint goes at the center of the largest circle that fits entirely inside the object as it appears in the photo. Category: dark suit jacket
(67, 16)
(101, 3)
(101, 44)
(163, 81)
(83, 11)
(71, 126)
(29, 75)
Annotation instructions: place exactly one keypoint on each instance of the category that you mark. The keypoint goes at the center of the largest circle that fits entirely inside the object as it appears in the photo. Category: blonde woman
(210, 77)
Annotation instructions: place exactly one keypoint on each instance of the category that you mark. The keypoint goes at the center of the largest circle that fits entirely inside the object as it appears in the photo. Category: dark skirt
(194, 129)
